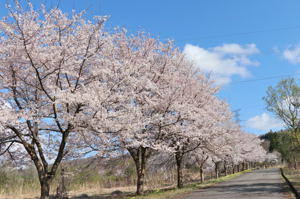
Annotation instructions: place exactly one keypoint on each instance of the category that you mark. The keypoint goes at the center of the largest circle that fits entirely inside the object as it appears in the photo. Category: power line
(264, 78)
(241, 33)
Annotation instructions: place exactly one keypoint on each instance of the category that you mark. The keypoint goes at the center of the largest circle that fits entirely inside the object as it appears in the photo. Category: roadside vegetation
(89, 183)
(283, 100)
(281, 142)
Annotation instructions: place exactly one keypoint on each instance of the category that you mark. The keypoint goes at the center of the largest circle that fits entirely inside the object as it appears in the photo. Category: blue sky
(248, 45)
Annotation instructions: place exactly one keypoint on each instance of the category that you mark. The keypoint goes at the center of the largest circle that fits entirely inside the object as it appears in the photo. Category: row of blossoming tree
(68, 87)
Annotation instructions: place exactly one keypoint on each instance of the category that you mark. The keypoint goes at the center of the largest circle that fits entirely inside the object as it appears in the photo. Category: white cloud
(249, 49)
(222, 62)
(292, 54)
(264, 122)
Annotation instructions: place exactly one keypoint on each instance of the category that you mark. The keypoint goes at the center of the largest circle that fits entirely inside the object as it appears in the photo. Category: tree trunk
(140, 182)
(233, 169)
(45, 188)
(201, 163)
(139, 156)
(178, 157)
(61, 191)
(37, 155)
(295, 162)
(201, 175)
(217, 169)
(225, 168)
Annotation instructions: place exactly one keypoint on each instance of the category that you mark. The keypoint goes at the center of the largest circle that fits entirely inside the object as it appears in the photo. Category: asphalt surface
(259, 184)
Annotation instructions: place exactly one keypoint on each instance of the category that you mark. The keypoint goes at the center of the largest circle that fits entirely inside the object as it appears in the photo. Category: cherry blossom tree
(48, 62)
(251, 150)
(148, 76)
(203, 115)
(159, 102)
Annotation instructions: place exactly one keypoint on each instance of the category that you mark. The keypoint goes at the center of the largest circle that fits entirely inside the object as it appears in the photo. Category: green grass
(176, 193)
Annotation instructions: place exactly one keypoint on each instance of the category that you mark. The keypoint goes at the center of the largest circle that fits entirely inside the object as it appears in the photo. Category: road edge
(292, 188)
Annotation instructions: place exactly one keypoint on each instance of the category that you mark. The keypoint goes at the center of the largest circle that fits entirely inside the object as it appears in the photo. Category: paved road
(260, 184)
